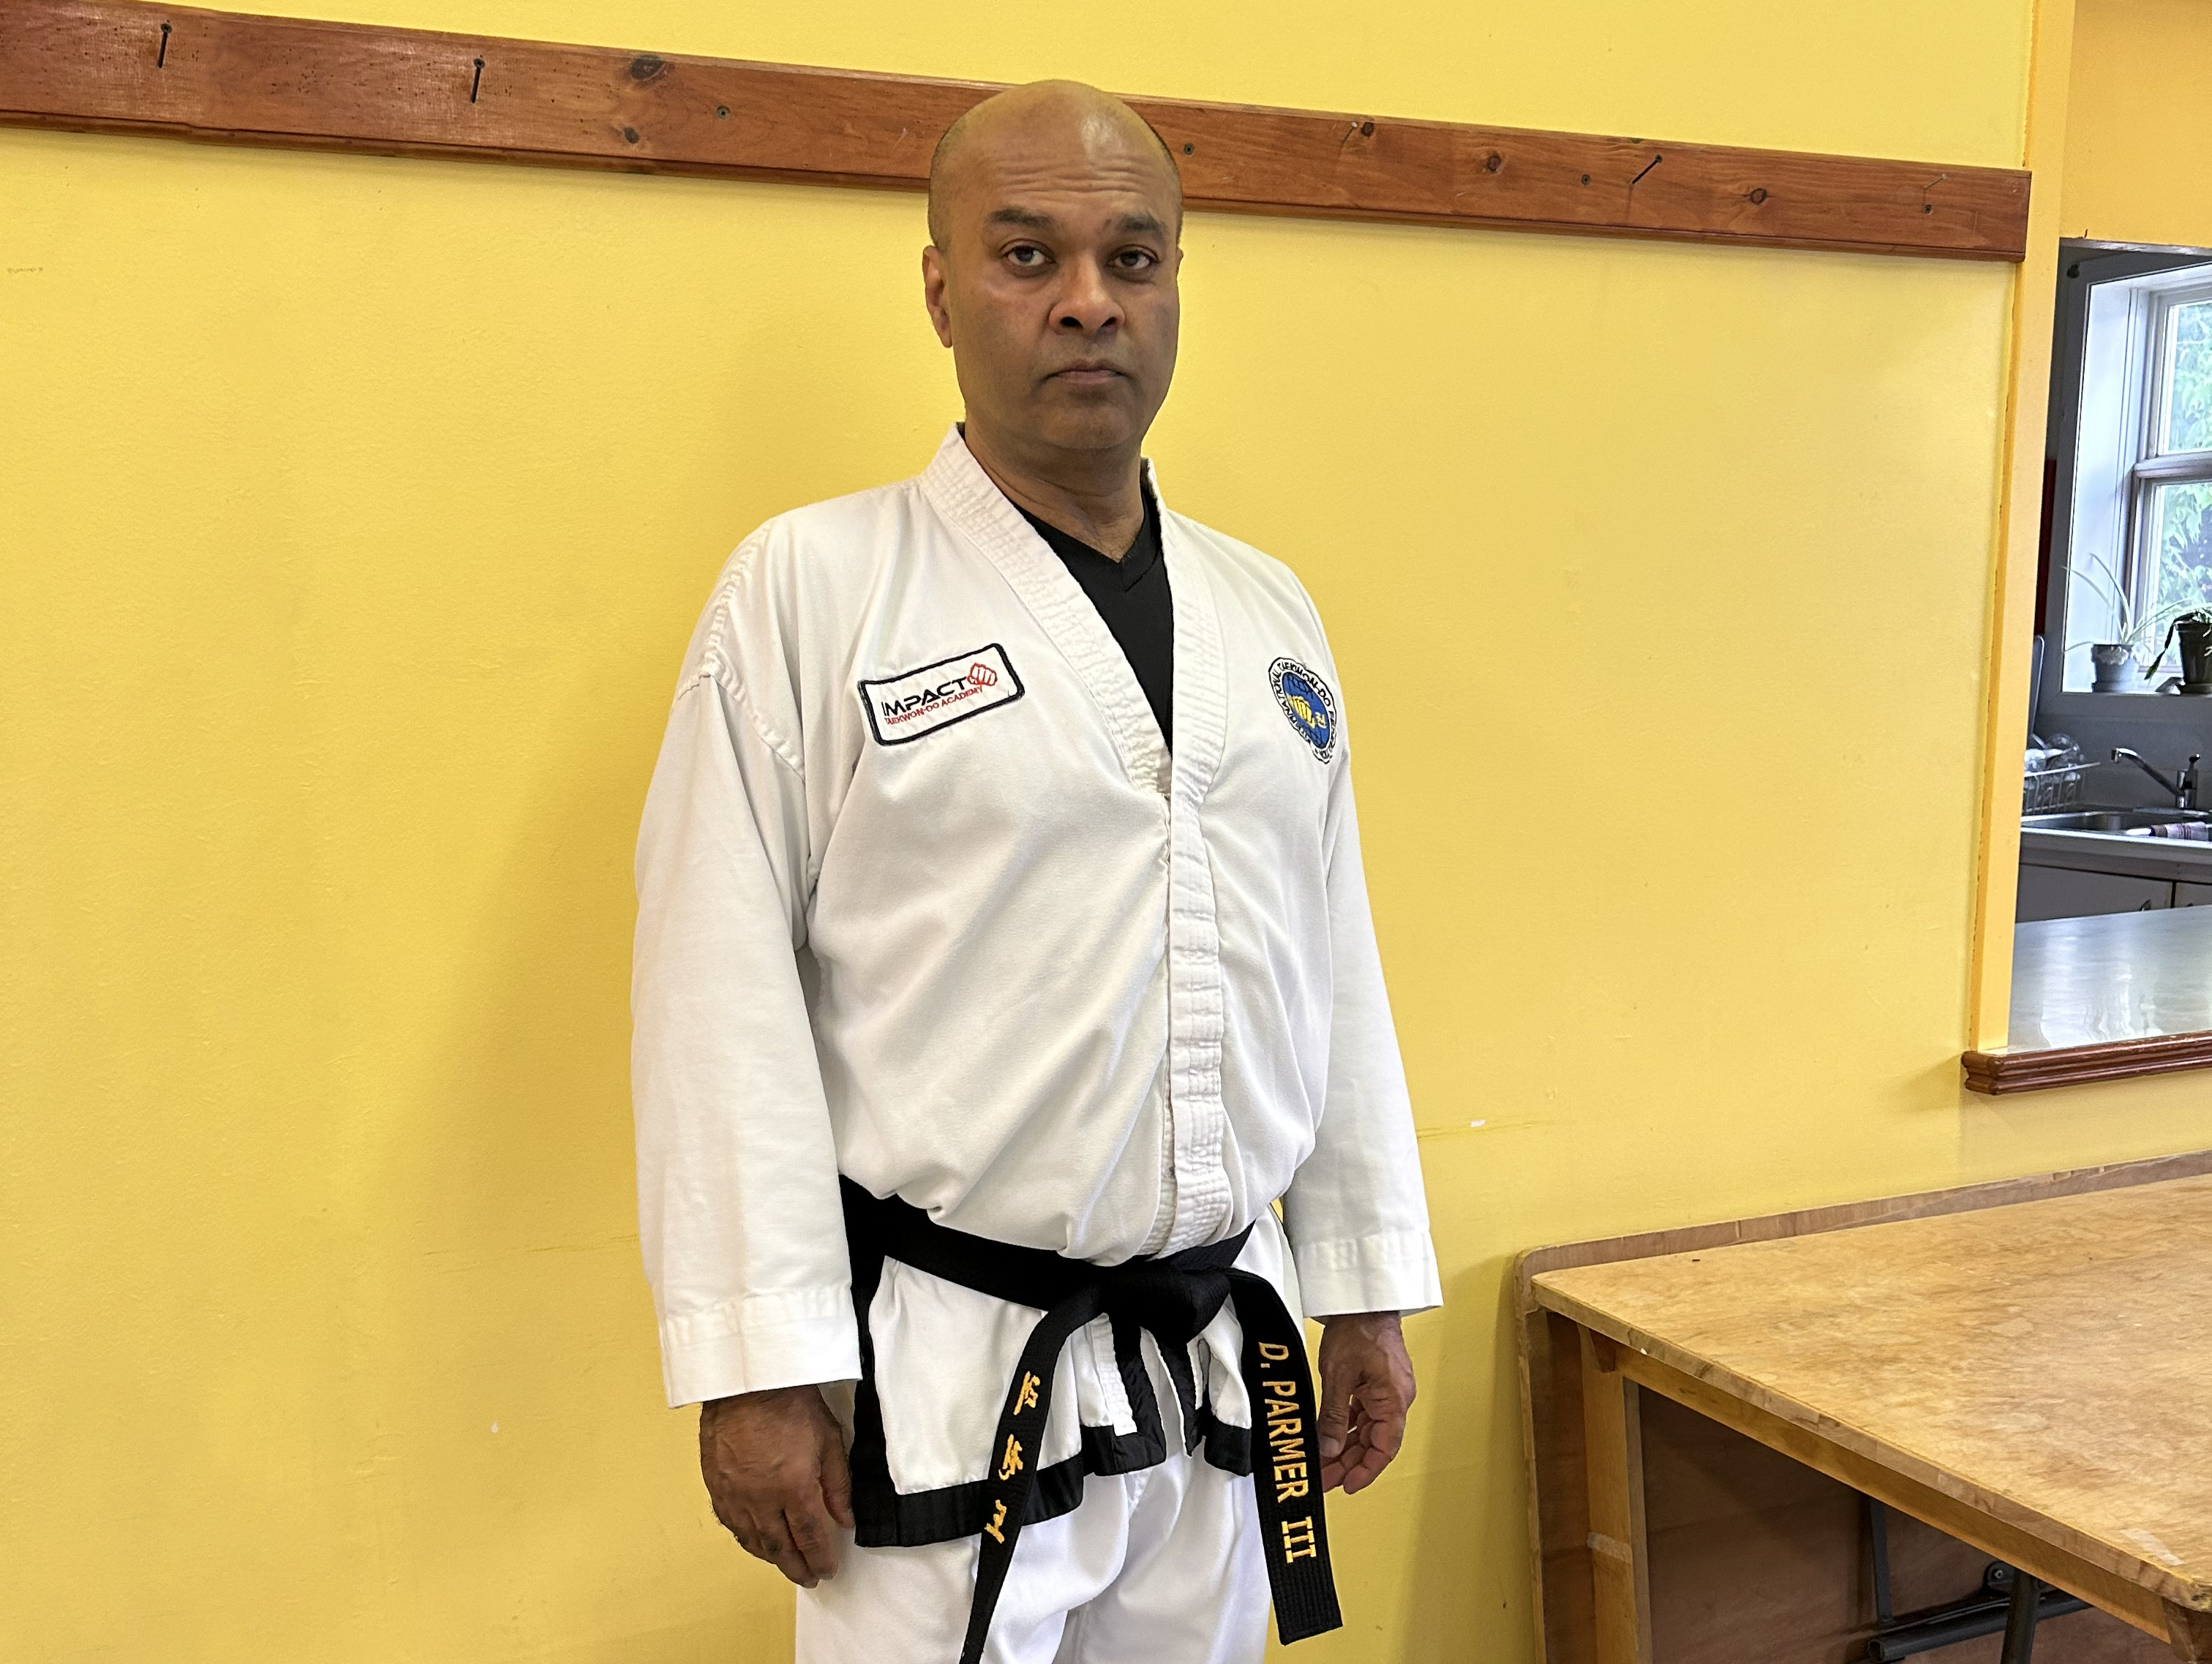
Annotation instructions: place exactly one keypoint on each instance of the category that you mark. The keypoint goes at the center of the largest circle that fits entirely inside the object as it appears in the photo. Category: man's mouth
(1086, 374)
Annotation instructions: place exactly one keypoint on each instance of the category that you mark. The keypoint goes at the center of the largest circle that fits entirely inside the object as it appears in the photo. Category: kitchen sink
(2112, 821)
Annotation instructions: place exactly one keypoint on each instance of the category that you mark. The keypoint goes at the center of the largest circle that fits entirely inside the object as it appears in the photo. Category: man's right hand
(774, 1466)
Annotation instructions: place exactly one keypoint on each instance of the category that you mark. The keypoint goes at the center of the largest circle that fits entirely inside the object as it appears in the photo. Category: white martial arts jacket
(924, 900)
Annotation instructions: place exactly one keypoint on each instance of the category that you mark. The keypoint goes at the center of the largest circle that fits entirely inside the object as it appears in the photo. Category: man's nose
(1086, 303)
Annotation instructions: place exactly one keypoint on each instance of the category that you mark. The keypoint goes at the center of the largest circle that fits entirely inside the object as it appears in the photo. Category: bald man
(1012, 1062)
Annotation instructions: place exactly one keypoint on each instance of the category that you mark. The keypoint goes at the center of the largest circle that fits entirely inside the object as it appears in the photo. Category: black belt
(1174, 1297)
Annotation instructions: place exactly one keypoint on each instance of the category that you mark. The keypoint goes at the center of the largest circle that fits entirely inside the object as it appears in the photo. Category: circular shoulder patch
(1307, 702)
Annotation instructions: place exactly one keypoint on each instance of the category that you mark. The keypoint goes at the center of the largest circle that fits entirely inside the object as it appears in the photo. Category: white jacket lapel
(963, 493)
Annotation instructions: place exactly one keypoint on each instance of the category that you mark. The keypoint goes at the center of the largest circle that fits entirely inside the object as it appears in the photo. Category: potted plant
(2192, 626)
(2119, 665)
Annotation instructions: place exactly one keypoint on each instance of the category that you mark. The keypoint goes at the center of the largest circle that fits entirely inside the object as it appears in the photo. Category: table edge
(1846, 1216)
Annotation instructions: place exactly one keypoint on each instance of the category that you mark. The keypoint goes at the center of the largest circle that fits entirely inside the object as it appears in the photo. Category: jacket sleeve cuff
(797, 1338)
(1393, 1272)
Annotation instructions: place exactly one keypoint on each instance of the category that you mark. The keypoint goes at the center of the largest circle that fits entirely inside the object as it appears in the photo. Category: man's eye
(1026, 256)
(1136, 259)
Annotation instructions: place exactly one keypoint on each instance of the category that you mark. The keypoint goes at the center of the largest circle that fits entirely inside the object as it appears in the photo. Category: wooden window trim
(119, 66)
(1994, 1074)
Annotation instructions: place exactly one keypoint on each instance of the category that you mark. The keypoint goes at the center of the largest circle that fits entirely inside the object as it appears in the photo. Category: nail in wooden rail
(230, 77)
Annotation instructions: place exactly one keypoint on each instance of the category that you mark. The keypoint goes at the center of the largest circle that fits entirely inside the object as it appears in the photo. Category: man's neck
(1100, 503)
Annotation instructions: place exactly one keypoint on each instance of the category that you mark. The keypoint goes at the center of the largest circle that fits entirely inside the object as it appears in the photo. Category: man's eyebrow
(1128, 225)
(1137, 225)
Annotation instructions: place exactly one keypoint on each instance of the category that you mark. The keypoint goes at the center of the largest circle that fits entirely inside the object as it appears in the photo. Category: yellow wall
(352, 514)
(2139, 132)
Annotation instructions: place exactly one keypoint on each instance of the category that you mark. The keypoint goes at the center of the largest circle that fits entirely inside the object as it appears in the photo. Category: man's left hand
(1366, 1389)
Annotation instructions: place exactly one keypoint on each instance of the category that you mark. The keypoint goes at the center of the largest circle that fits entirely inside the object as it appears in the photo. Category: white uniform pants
(1158, 1567)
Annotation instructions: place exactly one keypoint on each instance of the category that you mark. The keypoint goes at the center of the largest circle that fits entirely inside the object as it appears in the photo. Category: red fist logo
(980, 675)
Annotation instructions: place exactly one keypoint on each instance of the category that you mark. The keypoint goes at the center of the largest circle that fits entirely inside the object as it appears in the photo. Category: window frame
(2154, 465)
(2121, 416)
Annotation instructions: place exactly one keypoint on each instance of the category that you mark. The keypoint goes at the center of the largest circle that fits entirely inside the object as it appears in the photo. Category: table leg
(2020, 1618)
(1613, 1456)
(2190, 1631)
(1877, 1523)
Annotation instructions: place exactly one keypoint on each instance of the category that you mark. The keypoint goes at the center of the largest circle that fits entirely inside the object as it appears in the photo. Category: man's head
(1053, 216)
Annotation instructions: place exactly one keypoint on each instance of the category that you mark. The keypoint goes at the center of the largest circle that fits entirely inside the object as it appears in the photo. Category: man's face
(1057, 289)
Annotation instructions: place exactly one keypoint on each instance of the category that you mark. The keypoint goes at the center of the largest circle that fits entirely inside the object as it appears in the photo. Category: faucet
(2183, 787)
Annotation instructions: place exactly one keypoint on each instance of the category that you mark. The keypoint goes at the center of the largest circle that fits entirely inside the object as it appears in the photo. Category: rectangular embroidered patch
(905, 708)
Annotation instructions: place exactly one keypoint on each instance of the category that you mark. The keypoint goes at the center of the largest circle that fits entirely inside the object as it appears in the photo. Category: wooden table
(2026, 1366)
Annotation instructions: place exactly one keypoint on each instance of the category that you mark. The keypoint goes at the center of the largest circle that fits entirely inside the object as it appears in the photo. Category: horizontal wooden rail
(1994, 1074)
(118, 66)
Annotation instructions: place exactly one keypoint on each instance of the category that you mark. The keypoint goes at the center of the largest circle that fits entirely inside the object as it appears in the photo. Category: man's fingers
(1334, 1469)
(1359, 1462)
(1384, 1425)
(799, 1541)
(837, 1478)
(814, 1537)
(1335, 1415)
(770, 1540)
(732, 1517)
(1375, 1442)
(750, 1529)
(761, 1540)
(792, 1565)
(1339, 1432)
(1358, 1467)
(1364, 1472)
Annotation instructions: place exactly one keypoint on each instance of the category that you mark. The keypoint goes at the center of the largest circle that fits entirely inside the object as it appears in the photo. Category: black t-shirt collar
(1130, 569)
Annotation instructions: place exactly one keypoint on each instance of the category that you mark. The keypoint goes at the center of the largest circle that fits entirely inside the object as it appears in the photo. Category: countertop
(2115, 976)
(2105, 852)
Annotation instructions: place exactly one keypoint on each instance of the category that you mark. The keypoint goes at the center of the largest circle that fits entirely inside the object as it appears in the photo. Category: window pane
(2181, 531)
(2188, 380)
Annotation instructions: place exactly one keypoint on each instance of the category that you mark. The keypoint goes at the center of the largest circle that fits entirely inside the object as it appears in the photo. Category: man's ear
(932, 293)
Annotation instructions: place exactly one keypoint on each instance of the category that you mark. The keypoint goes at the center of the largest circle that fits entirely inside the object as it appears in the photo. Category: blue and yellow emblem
(1307, 702)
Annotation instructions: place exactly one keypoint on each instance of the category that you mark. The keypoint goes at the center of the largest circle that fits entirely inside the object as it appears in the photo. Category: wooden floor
(2046, 1364)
